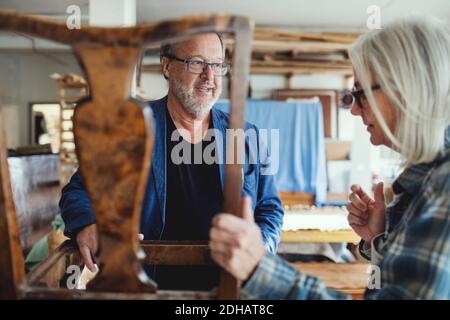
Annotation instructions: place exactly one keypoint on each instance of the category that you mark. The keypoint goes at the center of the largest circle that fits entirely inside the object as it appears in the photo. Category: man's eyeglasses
(355, 95)
(198, 66)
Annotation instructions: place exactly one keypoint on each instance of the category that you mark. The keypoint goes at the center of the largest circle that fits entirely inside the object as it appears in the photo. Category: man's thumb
(379, 194)
(246, 207)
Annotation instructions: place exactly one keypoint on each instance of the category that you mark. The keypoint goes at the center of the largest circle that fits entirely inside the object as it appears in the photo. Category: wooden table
(317, 224)
(337, 236)
(350, 278)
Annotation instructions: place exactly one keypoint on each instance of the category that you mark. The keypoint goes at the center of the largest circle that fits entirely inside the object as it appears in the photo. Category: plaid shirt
(413, 254)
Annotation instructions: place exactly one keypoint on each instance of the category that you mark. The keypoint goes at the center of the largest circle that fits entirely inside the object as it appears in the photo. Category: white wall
(24, 78)
(153, 86)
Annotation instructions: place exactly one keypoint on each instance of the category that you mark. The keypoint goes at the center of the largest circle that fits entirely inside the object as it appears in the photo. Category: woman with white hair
(402, 94)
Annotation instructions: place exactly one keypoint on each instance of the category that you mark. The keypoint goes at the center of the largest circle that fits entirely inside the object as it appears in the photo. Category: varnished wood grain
(67, 294)
(350, 278)
(46, 270)
(114, 140)
(296, 198)
(177, 253)
(228, 285)
(12, 267)
(335, 236)
(139, 36)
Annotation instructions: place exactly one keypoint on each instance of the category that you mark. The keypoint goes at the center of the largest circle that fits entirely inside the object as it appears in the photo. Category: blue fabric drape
(302, 166)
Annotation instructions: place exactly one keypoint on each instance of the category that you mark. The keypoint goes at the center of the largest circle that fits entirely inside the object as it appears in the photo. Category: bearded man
(185, 185)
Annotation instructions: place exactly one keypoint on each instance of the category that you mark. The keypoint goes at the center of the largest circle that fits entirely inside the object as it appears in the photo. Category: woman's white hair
(410, 60)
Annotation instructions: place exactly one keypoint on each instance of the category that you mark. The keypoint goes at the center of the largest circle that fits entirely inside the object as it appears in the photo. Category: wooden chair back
(114, 141)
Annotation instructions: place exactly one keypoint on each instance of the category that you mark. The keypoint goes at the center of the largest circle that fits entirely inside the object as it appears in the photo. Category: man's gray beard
(192, 106)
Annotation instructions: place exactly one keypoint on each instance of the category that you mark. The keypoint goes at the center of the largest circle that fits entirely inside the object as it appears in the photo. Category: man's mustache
(207, 84)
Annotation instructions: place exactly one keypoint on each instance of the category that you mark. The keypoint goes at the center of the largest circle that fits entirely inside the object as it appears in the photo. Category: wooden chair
(113, 134)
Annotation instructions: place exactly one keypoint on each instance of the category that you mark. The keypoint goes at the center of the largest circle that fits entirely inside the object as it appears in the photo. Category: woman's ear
(165, 67)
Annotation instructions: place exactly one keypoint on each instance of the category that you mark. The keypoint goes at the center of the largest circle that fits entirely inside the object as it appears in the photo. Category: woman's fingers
(361, 194)
(354, 210)
(357, 202)
(352, 219)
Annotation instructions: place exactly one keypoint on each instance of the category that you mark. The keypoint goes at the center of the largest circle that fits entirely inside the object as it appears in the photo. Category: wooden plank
(301, 46)
(142, 35)
(350, 278)
(268, 42)
(299, 70)
(327, 109)
(67, 294)
(282, 34)
(176, 253)
(45, 269)
(338, 236)
(229, 285)
(338, 64)
(296, 198)
(56, 239)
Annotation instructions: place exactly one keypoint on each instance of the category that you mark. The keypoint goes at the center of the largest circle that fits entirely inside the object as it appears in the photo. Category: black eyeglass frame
(188, 62)
(356, 95)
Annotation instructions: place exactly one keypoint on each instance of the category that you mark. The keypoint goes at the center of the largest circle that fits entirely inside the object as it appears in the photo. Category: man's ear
(165, 67)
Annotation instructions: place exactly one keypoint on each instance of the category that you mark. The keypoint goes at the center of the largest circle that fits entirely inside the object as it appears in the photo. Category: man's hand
(88, 243)
(366, 215)
(236, 243)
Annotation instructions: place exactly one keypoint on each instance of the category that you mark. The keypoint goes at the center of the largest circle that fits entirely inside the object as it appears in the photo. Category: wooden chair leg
(12, 265)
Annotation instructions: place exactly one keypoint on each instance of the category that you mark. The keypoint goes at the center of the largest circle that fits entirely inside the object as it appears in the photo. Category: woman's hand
(366, 215)
(236, 243)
